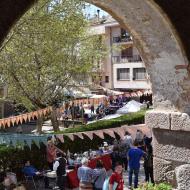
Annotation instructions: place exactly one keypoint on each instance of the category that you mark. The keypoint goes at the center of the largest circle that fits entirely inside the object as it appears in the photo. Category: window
(107, 79)
(139, 74)
(123, 74)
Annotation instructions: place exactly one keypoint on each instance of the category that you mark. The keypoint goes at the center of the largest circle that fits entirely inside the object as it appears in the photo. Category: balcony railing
(118, 59)
(120, 39)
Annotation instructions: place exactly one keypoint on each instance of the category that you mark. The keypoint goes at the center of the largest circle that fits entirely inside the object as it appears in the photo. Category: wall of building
(130, 84)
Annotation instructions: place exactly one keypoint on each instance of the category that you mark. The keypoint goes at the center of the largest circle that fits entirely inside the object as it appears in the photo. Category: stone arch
(159, 46)
(165, 48)
(155, 37)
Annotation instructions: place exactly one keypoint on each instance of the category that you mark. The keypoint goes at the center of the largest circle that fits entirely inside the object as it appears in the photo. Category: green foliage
(11, 158)
(128, 119)
(49, 50)
(161, 186)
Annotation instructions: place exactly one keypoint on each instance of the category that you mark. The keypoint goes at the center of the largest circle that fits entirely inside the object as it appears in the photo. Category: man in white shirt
(60, 167)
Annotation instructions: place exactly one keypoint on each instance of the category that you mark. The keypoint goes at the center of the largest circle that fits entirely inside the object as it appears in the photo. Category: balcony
(118, 59)
(120, 39)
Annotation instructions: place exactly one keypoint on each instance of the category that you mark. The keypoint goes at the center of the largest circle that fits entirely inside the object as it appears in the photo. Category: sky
(91, 10)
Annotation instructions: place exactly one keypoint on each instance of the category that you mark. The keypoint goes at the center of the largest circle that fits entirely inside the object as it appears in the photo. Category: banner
(89, 134)
(100, 134)
(71, 136)
(79, 135)
(60, 137)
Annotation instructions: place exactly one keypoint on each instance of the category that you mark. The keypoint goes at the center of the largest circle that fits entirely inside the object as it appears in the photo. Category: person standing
(126, 145)
(134, 156)
(99, 180)
(60, 167)
(115, 156)
(92, 108)
(139, 136)
(51, 151)
(148, 164)
(116, 178)
(85, 176)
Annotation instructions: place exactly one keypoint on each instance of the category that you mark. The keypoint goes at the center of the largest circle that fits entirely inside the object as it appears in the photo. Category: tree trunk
(39, 125)
(54, 120)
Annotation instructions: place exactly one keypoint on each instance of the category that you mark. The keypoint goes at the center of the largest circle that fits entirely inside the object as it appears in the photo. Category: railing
(120, 39)
(118, 59)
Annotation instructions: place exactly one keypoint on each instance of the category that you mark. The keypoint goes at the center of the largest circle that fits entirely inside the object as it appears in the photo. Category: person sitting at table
(99, 180)
(60, 167)
(31, 171)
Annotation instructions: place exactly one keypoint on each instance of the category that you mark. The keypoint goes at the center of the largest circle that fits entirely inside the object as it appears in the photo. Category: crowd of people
(77, 111)
(125, 155)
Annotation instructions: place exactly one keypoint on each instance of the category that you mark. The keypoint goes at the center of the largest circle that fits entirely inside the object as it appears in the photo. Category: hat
(105, 144)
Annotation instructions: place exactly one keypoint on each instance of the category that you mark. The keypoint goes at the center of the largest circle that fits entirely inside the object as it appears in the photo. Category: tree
(46, 52)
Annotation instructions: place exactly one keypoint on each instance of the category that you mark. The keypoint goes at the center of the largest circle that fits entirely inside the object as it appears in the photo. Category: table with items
(72, 179)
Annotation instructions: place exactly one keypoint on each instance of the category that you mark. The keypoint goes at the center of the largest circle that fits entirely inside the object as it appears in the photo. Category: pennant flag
(3, 123)
(29, 116)
(40, 113)
(8, 122)
(110, 132)
(99, 133)
(120, 132)
(35, 113)
(79, 135)
(25, 117)
(44, 111)
(70, 136)
(60, 137)
(20, 119)
(37, 142)
(89, 134)
(44, 140)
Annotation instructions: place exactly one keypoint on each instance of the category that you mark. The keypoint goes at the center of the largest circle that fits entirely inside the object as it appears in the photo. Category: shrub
(127, 119)
(161, 186)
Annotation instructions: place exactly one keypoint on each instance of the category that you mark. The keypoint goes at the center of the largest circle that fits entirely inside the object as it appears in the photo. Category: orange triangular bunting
(13, 120)
(25, 117)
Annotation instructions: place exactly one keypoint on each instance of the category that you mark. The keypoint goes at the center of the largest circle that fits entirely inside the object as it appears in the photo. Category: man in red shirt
(116, 178)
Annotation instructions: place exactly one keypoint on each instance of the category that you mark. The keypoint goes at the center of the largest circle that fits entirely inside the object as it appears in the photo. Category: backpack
(106, 184)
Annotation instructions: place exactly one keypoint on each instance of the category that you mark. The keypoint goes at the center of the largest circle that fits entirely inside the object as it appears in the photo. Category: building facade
(123, 69)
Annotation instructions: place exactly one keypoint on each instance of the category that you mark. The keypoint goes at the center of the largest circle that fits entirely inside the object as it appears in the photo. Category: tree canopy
(48, 51)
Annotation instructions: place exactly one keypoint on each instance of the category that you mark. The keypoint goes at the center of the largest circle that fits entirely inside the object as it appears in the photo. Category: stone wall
(171, 142)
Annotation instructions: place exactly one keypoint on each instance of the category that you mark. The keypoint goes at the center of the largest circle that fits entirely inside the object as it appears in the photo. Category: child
(116, 179)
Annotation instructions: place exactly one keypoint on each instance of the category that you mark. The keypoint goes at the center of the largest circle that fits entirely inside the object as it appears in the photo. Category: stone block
(183, 177)
(154, 119)
(171, 145)
(170, 177)
(161, 168)
(180, 121)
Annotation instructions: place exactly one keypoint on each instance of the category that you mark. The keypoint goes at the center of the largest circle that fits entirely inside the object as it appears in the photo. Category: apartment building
(123, 69)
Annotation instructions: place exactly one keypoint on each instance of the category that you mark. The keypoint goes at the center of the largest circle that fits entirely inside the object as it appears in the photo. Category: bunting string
(11, 121)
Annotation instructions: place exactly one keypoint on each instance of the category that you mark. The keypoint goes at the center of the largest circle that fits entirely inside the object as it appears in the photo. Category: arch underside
(161, 48)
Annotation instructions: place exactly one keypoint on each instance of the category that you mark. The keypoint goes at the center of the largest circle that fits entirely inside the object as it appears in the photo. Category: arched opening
(155, 38)
(166, 62)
